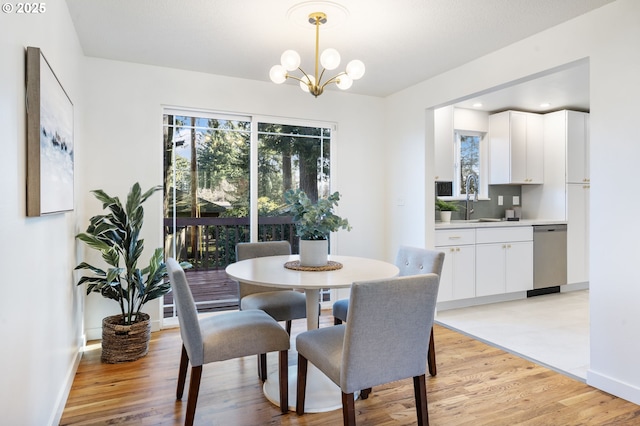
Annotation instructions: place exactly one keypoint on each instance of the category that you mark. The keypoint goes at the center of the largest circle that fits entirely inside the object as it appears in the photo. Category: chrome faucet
(467, 187)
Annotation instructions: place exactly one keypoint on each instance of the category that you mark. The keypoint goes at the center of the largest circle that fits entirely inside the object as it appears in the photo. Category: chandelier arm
(333, 79)
(319, 79)
(296, 78)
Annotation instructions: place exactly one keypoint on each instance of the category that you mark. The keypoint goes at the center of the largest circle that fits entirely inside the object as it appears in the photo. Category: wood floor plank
(476, 385)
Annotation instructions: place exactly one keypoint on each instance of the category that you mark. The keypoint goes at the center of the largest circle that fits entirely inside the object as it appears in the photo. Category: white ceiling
(401, 42)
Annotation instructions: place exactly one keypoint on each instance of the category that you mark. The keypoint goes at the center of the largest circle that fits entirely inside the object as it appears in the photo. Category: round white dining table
(322, 394)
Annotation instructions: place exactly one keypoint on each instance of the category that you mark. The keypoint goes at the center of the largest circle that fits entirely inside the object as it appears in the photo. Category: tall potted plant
(116, 235)
(314, 222)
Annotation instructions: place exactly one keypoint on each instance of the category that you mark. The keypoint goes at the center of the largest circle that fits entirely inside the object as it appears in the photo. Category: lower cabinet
(504, 267)
(485, 261)
(458, 272)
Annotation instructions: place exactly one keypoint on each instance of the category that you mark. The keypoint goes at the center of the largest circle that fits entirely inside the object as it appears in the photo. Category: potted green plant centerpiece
(116, 235)
(445, 209)
(314, 222)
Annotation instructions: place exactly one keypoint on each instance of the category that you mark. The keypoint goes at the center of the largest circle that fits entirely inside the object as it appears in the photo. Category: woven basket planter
(123, 343)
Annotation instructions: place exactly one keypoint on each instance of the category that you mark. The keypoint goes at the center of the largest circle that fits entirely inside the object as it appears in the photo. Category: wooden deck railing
(209, 243)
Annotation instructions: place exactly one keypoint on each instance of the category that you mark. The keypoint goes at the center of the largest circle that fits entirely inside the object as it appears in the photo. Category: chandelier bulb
(278, 74)
(355, 69)
(344, 82)
(290, 60)
(330, 59)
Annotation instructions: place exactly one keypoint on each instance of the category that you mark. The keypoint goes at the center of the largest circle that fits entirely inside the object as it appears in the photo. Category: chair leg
(337, 321)
(262, 366)
(420, 391)
(364, 393)
(287, 326)
(348, 409)
(182, 373)
(194, 388)
(302, 384)
(283, 368)
(431, 354)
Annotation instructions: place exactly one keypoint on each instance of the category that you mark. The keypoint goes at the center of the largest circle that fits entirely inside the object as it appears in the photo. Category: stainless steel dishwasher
(549, 259)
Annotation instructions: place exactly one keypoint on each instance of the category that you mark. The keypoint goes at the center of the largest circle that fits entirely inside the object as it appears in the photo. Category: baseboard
(574, 287)
(613, 386)
(482, 300)
(63, 395)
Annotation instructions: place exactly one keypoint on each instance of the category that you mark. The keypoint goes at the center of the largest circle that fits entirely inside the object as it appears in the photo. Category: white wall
(40, 307)
(124, 144)
(615, 147)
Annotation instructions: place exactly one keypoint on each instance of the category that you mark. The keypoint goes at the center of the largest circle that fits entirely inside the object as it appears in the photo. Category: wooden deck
(212, 291)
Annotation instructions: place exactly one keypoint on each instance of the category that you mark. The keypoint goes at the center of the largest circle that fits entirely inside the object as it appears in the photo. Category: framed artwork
(50, 148)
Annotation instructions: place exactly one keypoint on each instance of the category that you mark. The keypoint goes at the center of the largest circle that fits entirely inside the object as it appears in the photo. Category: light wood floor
(476, 385)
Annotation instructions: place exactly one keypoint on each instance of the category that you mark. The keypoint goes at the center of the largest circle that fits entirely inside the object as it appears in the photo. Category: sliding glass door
(225, 176)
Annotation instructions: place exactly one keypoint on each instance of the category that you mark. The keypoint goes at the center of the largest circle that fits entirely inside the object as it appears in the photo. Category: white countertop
(475, 223)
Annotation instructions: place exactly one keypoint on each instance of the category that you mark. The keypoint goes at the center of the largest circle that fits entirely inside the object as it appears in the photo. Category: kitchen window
(469, 159)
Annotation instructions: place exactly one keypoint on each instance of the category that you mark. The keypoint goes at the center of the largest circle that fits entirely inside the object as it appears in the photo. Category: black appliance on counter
(444, 189)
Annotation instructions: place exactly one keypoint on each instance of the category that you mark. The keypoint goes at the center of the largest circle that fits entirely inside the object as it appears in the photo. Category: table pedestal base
(322, 394)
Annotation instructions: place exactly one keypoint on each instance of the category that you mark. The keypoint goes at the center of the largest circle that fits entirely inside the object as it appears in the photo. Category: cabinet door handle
(454, 238)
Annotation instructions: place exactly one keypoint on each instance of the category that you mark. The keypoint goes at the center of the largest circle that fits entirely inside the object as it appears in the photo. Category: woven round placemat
(330, 266)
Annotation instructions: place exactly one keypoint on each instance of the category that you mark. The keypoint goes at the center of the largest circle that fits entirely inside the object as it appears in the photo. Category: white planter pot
(314, 252)
(445, 216)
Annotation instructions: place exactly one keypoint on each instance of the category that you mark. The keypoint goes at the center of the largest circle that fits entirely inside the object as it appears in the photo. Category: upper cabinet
(444, 144)
(577, 137)
(516, 149)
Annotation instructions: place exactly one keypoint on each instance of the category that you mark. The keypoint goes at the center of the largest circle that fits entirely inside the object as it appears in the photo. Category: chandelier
(329, 59)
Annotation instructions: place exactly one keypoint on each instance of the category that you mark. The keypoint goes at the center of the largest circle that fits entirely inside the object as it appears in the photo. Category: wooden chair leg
(287, 326)
(337, 321)
(194, 388)
(182, 373)
(431, 354)
(283, 368)
(348, 409)
(302, 384)
(364, 393)
(420, 391)
(262, 366)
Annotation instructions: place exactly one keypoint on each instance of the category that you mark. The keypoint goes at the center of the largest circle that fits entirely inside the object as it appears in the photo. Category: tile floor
(551, 330)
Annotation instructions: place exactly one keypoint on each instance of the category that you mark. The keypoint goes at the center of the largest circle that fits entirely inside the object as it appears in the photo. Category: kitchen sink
(482, 219)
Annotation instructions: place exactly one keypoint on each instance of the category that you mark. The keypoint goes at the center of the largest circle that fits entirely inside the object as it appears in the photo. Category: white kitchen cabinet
(516, 148)
(577, 233)
(458, 272)
(565, 192)
(504, 260)
(578, 147)
(444, 144)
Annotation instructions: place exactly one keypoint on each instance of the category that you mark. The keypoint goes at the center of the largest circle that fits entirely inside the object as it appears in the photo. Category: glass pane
(290, 157)
(207, 195)
(469, 161)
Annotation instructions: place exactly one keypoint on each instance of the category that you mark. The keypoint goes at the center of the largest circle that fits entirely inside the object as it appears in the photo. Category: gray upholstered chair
(385, 340)
(410, 261)
(222, 337)
(280, 304)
